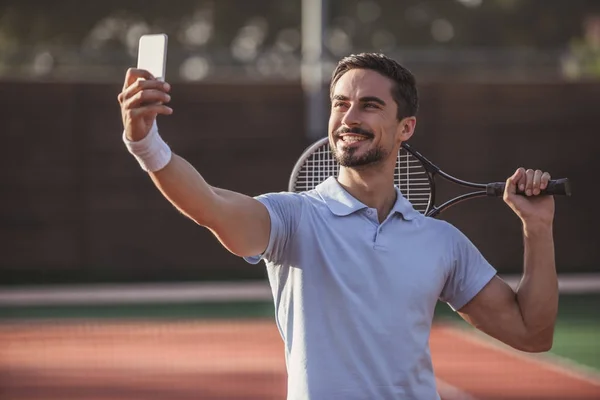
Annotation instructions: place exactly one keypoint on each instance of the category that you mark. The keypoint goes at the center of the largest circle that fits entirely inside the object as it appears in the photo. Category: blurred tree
(492, 23)
(583, 57)
(263, 35)
(476, 22)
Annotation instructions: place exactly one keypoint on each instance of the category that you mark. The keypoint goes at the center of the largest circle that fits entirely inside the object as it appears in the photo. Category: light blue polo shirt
(354, 299)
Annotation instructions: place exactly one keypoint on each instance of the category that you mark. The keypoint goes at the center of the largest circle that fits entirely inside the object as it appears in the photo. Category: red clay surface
(232, 360)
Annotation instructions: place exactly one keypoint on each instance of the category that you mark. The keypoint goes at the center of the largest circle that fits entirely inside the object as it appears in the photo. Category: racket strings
(413, 181)
(409, 176)
(319, 166)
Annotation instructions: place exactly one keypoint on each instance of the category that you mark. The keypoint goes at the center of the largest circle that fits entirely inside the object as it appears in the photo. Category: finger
(150, 110)
(537, 179)
(140, 85)
(529, 182)
(512, 182)
(146, 97)
(133, 74)
(544, 181)
(519, 179)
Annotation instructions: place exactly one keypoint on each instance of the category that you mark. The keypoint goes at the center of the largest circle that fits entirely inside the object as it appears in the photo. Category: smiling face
(364, 127)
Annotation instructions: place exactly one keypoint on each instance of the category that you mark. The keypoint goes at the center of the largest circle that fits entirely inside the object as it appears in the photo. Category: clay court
(188, 356)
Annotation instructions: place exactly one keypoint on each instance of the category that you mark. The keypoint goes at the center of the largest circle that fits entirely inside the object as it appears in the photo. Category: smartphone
(152, 54)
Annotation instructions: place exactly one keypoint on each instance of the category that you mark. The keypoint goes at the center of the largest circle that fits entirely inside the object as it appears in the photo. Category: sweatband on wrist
(152, 153)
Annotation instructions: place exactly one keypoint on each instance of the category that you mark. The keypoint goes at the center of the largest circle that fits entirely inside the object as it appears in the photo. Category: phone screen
(152, 54)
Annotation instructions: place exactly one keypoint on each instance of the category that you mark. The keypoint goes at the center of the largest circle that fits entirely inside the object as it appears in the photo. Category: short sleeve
(469, 271)
(285, 211)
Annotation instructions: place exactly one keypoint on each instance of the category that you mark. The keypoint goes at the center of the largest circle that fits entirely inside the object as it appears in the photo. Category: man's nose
(351, 117)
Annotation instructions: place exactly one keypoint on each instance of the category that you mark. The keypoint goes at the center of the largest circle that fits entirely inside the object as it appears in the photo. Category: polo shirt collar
(342, 203)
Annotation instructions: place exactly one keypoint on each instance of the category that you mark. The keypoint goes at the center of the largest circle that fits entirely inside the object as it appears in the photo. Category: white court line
(449, 392)
(135, 293)
(546, 360)
(567, 283)
(105, 294)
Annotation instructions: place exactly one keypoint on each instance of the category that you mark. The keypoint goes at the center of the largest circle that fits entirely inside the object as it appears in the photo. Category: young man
(355, 270)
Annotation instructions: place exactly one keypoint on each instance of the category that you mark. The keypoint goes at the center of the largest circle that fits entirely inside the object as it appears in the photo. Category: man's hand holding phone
(145, 92)
(142, 99)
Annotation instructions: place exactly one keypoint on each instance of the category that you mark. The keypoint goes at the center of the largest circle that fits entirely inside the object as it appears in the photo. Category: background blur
(503, 83)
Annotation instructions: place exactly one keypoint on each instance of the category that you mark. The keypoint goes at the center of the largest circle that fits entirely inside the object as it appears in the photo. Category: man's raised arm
(241, 223)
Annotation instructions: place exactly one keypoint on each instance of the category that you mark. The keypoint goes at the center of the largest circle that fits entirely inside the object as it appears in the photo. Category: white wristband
(151, 152)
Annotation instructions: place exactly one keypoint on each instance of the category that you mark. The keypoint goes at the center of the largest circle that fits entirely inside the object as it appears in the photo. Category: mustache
(358, 131)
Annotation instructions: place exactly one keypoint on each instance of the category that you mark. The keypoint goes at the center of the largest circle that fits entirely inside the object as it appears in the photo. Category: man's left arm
(523, 319)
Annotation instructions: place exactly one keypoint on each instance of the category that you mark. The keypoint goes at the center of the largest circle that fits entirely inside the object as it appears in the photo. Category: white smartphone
(152, 54)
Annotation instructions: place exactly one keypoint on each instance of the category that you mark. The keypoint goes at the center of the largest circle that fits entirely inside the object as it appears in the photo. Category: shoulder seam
(302, 201)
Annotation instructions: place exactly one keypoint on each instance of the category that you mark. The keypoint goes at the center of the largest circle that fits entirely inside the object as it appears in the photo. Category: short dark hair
(404, 90)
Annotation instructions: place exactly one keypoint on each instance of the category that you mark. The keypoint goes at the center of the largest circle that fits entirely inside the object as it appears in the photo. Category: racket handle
(556, 187)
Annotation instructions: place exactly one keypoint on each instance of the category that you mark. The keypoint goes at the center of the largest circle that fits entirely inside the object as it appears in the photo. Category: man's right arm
(241, 223)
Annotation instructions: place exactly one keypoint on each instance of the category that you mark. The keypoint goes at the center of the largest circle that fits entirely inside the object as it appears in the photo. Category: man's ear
(406, 128)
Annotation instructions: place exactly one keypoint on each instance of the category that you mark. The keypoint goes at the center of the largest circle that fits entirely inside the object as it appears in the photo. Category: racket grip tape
(556, 187)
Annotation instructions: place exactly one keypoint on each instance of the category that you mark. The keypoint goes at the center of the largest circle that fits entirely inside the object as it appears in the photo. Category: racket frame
(432, 170)
(494, 189)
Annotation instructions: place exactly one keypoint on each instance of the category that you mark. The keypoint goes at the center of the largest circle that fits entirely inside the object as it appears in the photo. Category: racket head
(317, 163)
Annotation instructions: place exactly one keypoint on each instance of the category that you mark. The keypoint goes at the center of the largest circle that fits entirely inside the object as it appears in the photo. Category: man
(355, 270)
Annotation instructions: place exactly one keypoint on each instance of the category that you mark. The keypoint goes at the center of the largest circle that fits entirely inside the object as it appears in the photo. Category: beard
(348, 158)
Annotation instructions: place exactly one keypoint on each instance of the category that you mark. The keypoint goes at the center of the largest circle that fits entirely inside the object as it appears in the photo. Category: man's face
(363, 123)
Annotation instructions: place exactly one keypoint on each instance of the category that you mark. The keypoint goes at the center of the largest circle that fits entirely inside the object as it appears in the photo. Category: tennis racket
(414, 175)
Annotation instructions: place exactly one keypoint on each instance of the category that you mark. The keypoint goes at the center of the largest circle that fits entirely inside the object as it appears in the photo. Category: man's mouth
(350, 138)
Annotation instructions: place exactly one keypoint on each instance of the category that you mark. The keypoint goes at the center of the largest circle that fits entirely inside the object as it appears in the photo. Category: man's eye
(339, 104)
(371, 105)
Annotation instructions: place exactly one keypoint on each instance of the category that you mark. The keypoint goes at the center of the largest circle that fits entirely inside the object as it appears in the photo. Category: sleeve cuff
(272, 233)
(472, 291)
